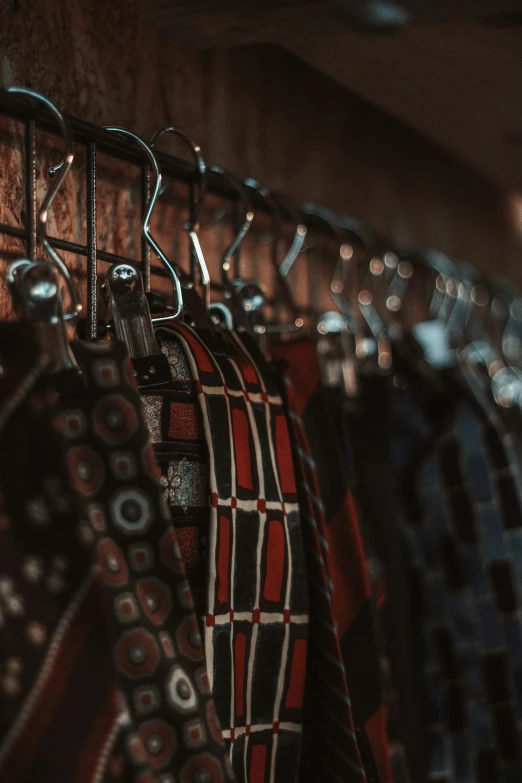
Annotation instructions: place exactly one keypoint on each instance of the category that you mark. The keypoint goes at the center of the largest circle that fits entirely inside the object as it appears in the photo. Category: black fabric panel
(369, 429)
(445, 652)
(452, 564)
(324, 440)
(362, 666)
(502, 582)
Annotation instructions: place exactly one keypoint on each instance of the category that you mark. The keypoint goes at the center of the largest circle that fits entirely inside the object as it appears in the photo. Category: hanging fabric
(327, 496)
(124, 642)
(240, 521)
(460, 490)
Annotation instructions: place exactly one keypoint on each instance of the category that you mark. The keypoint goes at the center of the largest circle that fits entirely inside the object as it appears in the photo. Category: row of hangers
(384, 298)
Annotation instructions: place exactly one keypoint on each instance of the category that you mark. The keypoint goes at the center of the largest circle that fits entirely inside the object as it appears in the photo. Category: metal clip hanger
(336, 355)
(197, 305)
(341, 286)
(507, 293)
(36, 295)
(506, 323)
(239, 310)
(278, 207)
(132, 321)
(374, 275)
(336, 331)
(445, 290)
(177, 311)
(59, 171)
(347, 246)
(231, 252)
(133, 325)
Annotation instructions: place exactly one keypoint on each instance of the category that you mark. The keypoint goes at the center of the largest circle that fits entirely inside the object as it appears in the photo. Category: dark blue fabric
(460, 495)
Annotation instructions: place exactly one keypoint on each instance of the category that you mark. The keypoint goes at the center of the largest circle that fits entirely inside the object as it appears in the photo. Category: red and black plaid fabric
(249, 544)
(129, 625)
(328, 498)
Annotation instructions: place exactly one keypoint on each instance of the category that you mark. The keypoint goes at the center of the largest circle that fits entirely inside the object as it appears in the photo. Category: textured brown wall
(256, 110)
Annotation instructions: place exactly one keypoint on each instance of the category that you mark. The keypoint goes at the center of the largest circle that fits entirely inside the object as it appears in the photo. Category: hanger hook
(61, 169)
(301, 230)
(146, 222)
(333, 224)
(248, 218)
(276, 206)
(197, 197)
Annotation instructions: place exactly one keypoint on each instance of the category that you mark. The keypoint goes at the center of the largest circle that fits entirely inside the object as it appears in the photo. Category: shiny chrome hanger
(197, 307)
(133, 325)
(37, 298)
(502, 330)
(446, 285)
(336, 330)
(506, 311)
(177, 311)
(241, 308)
(132, 321)
(60, 171)
(278, 208)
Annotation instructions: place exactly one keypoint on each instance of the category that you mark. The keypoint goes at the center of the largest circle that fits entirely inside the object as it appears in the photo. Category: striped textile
(249, 546)
(350, 649)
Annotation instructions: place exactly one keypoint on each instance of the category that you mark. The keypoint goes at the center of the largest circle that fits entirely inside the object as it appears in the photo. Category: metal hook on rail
(277, 204)
(178, 310)
(60, 171)
(248, 217)
(196, 204)
(275, 208)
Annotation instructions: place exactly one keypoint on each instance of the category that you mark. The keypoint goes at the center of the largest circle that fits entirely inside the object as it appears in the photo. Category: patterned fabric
(175, 425)
(250, 545)
(330, 513)
(56, 718)
(138, 597)
(462, 509)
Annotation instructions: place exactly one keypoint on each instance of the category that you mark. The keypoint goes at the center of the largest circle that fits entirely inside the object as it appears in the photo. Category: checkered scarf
(345, 651)
(255, 607)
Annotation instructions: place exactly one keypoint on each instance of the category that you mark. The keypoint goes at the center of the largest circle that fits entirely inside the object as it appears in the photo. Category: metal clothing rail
(97, 140)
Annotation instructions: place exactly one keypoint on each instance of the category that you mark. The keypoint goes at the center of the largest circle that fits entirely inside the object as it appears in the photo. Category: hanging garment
(460, 493)
(352, 649)
(121, 655)
(57, 713)
(221, 436)
(368, 422)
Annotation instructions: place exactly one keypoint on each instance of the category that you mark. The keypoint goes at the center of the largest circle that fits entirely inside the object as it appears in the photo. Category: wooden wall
(256, 110)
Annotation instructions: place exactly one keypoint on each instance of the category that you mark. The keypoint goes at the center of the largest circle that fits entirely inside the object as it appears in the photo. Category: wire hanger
(197, 306)
(231, 313)
(60, 171)
(277, 208)
(337, 330)
(132, 321)
(301, 231)
(244, 227)
(177, 311)
(343, 264)
(506, 317)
